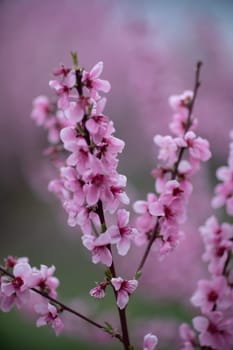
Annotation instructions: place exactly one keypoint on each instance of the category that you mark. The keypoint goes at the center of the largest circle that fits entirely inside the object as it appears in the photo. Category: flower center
(212, 296)
(17, 282)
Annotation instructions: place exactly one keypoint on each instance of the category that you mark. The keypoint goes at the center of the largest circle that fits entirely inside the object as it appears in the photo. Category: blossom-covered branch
(18, 279)
(214, 296)
(159, 217)
(84, 150)
(89, 184)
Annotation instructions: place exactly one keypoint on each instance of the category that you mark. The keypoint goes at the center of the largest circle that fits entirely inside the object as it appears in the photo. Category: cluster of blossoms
(88, 183)
(160, 216)
(224, 191)
(18, 280)
(214, 296)
(85, 153)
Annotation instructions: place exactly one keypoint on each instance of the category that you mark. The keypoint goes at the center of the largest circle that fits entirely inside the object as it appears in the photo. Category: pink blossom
(168, 149)
(218, 243)
(93, 83)
(213, 232)
(57, 186)
(73, 183)
(99, 291)
(146, 221)
(17, 290)
(107, 150)
(99, 248)
(150, 341)
(198, 147)
(75, 111)
(96, 187)
(84, 217)
(180, 103)
(46, 281)
(49, 317)
(161, 176)
(118, 194)
(63, 87)
(188, 337)
(224, 193)
(178, 124)
(170, 204)
(212, 294)
(124, 289)
(11, 261)
(41, 109)
(216, 254)
(122, 234)
(215, 330)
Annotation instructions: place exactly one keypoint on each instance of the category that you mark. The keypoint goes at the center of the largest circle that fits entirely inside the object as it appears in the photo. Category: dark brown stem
(146, 253)
(65, 307)
(190, 107)
(122, 316)
(122, 313)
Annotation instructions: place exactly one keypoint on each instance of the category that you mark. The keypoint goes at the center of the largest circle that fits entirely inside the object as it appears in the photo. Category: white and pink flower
(124, 289)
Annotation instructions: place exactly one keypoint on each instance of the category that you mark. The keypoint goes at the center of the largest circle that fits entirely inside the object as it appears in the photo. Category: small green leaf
(74, 56)
(138, 274)
(108, 274)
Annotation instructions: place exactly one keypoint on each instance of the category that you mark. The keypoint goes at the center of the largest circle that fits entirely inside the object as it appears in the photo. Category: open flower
(150, 341)
(49, 316)
(99, 248)
(92, 82)
(122, 234)
(124, 289)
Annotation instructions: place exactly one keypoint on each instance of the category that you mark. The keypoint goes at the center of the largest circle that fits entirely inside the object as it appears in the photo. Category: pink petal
(131, 285)
(122, 217)
(103, 239)
(54, 84)
(102, 85)
(41, 308)
(123, 246)
(92, 126)
(97, 70)
(103, 255)
(88, 241)
(41, 321)
(156, 209)
(8, 289)
(7, 303)
(58, 326)
(74, 112)
(92, 195)
(101, 105)
(117, 282)
(68, 134)
(122, 299)
(140, 207)
(21, 269)
(200, 323)
(150, 342)
(114, 234)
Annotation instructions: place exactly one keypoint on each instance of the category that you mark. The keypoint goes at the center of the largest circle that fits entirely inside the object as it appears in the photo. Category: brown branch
(122, 313)
(190, 107)
(65, 307)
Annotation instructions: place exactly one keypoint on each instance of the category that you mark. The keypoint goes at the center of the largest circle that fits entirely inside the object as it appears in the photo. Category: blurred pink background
(149, 50)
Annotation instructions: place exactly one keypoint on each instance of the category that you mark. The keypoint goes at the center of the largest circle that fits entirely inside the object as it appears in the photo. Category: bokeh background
(149, 49)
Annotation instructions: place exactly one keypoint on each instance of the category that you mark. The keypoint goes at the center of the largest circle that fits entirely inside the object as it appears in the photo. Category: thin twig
(122, 313)
(65, 307)
(190, 107)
